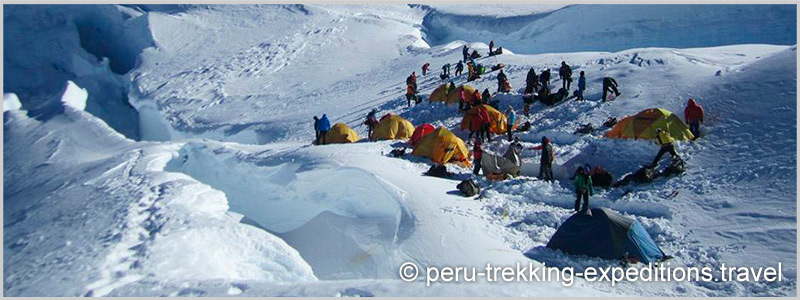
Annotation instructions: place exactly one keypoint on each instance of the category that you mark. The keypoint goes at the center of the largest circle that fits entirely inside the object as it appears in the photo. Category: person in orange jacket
(410, 94)
(478, 98)
(693, 115)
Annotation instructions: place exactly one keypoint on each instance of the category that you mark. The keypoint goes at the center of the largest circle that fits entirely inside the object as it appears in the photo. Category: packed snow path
(91, 213)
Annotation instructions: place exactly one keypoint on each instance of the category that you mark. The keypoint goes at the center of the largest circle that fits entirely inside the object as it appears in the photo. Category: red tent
(419, 132)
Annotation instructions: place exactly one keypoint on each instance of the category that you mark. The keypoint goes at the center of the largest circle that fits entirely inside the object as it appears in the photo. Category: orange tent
(442, 146)
(419, 132)
(499, 121)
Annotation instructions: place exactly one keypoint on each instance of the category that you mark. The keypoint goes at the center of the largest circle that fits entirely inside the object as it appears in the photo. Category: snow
(74, 96)
(181, 165)
(11, 102)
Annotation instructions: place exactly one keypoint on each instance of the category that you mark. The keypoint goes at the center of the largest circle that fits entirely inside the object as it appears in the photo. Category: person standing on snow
(324, 127)
(459, 68)
(512, 118)
(501, 80)
(546, 161)
(462, 101)
(665, 140)
(491, 47)
(465, 52)
(544, 79)
(477, 153)
(425, 69)
(581, 86)
(412, 80)
(609, 84)
(371, 122)
(693, 115)
(532, 80)
(486, 123)
(316, 130)
(410, 94)
(583, 189)
(565, 73)
(475, 126)
(446, 69)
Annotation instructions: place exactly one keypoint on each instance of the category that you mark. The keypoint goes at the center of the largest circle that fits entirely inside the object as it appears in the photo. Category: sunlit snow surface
(165, 150)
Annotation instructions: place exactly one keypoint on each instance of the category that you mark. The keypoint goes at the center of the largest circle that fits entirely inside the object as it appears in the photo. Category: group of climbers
(536, 85)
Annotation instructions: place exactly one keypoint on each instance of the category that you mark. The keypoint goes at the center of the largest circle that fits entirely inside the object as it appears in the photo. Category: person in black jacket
(501, 80)
(532, 80)
(565, 73)
(491, 47)
(465, 52)
(544, 78)
(609, 84)
(459, 68)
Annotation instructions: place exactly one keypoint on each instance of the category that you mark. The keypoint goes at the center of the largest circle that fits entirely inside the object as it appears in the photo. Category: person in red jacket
(693, 115)
(486, 123)
(477, 153)
(425, 68)
(475, 126)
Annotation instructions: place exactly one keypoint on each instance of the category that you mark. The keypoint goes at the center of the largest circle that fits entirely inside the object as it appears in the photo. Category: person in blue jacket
(316, 130)
(512, 118)
(324, 127)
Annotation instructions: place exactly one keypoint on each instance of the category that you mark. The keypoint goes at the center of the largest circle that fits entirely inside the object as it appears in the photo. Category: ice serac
(96, 47)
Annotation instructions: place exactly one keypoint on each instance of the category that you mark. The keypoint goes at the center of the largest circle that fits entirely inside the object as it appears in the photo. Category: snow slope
(615, 27)
(224, 196)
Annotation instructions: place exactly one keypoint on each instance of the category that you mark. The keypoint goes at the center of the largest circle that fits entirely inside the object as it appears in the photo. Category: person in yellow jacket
(666, 141)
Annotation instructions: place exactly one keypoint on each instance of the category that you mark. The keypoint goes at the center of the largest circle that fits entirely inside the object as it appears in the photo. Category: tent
(468, 89)
(393, 127)
(419, 132)
(442, 146)
(643, 125)
(499, 122)
(606, 234)
(509, 163)
(340, 133)
(440, 93)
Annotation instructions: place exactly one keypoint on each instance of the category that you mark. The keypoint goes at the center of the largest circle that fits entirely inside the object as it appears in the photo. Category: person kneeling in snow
(665, 140)
(583, 189)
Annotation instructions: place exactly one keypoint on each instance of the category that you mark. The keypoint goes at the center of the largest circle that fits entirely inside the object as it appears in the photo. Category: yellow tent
(643, 125)
(440, 93)
(393, 127)
(442, 146)
(499, 121)
(453, 97)
(340, 133)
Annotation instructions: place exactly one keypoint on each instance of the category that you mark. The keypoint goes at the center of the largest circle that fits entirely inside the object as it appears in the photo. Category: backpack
(468, 188)
(398, 152)
(644, 175)
(438, 171)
